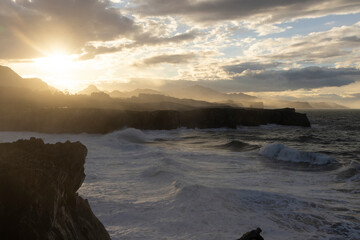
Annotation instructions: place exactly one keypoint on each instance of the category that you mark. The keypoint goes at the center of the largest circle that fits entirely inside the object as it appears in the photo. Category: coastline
(82, 120)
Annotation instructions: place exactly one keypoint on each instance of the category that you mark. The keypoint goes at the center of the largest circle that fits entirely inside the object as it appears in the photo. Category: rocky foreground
(38, 192)
(78, 120)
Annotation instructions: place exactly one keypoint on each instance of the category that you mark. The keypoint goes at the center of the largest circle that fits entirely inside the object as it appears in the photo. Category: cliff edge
(78, 120)
(38, 189)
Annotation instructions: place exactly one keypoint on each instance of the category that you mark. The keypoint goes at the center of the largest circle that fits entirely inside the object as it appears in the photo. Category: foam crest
(132, 135)
(282, 152)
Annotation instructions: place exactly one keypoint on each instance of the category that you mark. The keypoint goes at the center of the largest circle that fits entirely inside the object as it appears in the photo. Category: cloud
(339, 44)
(262, 80)
(139, 40)
(30, 29)
(268, 11)
(351, 39)
(34, 28)
(241, 67)
(167, 58)
(293, 79)
(149, 39)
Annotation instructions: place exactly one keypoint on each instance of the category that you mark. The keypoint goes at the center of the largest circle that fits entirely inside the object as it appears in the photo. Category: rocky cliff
(38, 199)
(71, 120)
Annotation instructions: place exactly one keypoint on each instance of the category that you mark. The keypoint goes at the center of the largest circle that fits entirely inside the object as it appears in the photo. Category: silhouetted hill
(24, 109)
(9, 78)
(89, 90)
(134, 93)
(327, 105)
(307, 105)
(17, 92)
(199, 92)
(162, 102)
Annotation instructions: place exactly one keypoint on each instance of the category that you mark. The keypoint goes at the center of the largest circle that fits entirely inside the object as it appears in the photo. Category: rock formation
(38, 199)
(72, 120)
(252, 235)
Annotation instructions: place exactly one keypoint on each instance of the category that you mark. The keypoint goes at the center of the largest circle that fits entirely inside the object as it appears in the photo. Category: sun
(58, 69)
(56, 61)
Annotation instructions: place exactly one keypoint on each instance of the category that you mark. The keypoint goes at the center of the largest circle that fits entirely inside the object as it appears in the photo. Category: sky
(287, 49)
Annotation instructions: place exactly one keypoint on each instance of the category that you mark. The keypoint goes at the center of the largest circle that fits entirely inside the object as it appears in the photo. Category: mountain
(89, 90)
(199, 92)
(327, 105)
(162, 102)
(9, 78)
(134, 93)
(306, 105)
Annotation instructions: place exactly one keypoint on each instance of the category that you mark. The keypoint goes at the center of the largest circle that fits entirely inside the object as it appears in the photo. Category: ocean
(292, 182)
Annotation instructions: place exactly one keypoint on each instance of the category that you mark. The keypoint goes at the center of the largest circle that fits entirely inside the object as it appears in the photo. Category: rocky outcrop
(70, 120)
(252, 235)
(38, 199)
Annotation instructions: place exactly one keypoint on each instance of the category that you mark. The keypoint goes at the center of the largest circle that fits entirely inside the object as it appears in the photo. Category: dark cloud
(167, 58)
(215, 10)
(293, 79)
(352, 39)
(239, 68)
(261, 81)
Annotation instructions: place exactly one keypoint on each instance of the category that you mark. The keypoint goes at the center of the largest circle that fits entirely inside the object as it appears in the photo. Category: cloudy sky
(289, 49)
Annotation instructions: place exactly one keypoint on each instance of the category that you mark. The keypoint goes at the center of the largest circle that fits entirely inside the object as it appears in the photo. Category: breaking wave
(282, 152)
(132, 135)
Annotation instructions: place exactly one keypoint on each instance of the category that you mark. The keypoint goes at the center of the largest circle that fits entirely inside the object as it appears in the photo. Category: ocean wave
(236, 206)
(239, 146)
(282, 152)
(155, 171)
(351, 172)
(132, 135)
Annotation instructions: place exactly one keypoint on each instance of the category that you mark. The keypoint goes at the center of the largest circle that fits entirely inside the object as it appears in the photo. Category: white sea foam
(282, 152)
(132, 135)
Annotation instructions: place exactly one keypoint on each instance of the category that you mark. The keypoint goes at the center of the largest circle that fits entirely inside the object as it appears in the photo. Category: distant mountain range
(309, 105)
(14, 86)
(205, 94)
(195, 92)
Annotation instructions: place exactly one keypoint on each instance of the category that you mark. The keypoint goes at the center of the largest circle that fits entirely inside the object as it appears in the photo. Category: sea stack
(38, 189)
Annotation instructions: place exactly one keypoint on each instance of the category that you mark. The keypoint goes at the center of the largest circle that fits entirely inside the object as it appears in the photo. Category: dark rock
(38, 199)
(252, 235)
